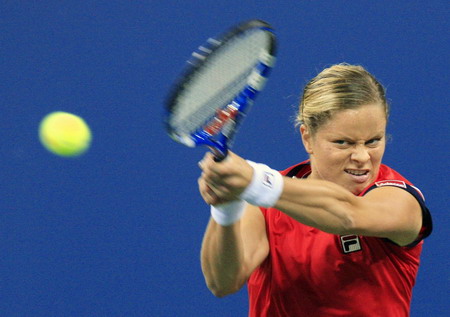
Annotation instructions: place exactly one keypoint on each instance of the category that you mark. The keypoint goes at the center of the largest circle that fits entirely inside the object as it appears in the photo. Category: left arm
(386, 212)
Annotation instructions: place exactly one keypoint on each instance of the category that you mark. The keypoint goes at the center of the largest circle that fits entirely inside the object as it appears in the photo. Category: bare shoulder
(395, 197)
(399, 213)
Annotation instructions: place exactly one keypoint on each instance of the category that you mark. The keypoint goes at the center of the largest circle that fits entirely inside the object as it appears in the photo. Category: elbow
(221, 283)
(222, 290)
(344, 223)
(347, 218)
(343, 226)
(347, 226)
(349, 223)
(220, 293)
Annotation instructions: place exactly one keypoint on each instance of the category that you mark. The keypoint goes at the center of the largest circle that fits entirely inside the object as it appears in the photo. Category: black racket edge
(194, 64)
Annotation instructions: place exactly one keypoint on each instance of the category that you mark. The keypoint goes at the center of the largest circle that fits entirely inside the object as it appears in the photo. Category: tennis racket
(216, 90)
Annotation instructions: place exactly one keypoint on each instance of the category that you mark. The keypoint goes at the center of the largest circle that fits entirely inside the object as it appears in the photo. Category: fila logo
(268, 179)
(350, 243)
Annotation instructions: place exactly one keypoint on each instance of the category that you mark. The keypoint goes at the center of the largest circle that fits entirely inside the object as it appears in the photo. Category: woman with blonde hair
(339, 234)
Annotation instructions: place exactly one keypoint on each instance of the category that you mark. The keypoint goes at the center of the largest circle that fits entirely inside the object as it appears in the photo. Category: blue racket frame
(220, 141)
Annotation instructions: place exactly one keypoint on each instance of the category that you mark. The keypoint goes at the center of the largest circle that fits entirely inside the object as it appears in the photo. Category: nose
(360, 154)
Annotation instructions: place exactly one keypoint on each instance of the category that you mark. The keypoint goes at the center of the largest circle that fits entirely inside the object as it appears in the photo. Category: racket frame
(218, 131)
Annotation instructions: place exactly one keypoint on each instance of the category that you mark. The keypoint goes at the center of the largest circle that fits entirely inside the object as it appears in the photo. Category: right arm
(229, 254)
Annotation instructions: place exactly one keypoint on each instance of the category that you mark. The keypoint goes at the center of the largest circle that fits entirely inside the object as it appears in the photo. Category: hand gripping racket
(215, 92)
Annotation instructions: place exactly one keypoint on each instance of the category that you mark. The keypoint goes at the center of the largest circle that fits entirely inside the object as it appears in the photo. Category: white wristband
(229, 213)
(265, 188)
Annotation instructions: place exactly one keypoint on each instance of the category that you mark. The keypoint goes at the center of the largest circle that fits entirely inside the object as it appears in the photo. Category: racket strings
(223, 75)
(191, 120)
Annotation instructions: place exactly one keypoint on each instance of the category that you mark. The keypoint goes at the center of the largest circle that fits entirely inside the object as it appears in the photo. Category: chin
(359, 189)
(356, 190)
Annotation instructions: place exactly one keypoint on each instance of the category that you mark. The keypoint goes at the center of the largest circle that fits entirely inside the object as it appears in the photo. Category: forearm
(317, 203)
(320, 204)
(222, 258)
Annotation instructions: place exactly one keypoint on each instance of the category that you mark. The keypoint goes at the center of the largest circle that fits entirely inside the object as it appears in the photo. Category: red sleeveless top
(312, 273)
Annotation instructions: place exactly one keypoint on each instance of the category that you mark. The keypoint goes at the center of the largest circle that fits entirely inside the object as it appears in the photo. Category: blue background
(117, 232)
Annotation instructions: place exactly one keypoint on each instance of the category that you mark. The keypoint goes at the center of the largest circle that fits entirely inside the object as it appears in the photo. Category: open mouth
(357, 172)
(358, 176)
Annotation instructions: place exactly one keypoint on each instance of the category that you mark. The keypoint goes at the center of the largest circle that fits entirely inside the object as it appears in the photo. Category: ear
(306, 138)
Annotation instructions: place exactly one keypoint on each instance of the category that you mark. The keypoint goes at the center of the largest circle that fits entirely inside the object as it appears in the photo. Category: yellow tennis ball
(64, 134)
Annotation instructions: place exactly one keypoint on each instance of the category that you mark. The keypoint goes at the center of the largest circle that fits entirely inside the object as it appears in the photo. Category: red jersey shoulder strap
(299, 170)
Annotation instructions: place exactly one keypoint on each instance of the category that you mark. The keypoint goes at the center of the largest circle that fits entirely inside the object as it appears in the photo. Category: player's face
(348, 148)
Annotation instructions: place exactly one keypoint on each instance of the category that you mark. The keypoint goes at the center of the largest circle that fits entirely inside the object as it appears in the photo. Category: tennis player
(337, 235)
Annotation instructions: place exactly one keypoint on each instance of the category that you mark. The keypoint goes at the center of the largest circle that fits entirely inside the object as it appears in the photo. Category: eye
(373, 141)
(341, 142)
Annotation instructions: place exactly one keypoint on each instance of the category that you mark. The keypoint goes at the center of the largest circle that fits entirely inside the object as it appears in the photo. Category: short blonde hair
(339, 87)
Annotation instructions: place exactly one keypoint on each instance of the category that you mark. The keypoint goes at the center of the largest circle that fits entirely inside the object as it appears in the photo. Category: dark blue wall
(117, 232)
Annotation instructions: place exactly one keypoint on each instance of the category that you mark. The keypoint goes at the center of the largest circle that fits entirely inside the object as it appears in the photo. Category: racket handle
(219, 155)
